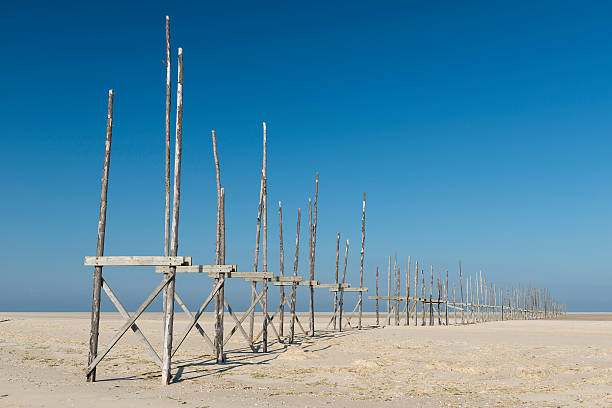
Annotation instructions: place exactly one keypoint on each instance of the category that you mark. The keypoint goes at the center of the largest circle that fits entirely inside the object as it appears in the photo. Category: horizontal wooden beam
(314, 283)
(334, 285)
(198, 269)
(288, 279)
(243, 275)
(355, 289)
(137, 260)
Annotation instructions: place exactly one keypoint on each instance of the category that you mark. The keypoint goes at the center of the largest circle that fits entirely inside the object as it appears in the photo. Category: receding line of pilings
(479, 303)
(482, 301)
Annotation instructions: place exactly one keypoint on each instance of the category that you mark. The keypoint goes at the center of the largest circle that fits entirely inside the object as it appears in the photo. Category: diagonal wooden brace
(129, 323)
(207, 339)
(195, 318)
(134, 327)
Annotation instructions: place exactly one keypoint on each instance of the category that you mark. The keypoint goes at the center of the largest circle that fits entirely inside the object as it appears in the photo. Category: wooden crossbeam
(243, 275)
(198, 269)
(355, 290)
(313, 283)
(129, 323)
(137, 260)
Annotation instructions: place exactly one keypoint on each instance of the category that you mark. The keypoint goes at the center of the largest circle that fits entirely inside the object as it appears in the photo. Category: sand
(553, 363)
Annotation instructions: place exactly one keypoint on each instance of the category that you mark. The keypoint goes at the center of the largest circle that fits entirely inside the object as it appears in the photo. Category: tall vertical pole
(423, 296)
(167, 151)
(341, 289)
(256, 260)
(461, 288)
(377, 309)
(97, 282)
(389, 293)
(218, 343)
(396, 291)
(431, 319)
(169, 313)
(264, 244)
(311, 275)
(408, 293)
(416, 293)
(361, 265)
(336, 281)
(294, 285)
(312, 257)
(446, 299)
(281, 316)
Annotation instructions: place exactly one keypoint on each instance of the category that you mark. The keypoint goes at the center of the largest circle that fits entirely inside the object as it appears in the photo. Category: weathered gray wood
(461, 286)
(282, 272)
(336, 281)
(416, 293)
(312, 256)
(264, 245)
(294, 286)
(218, 303)
(397, 290)
(167, 153)
(238, 325)
(256, 260)
(126, 316)
(128, 324)
(446, 299)
(183, 306)
(134, 260)
(198, 314)
(423, 296)
(389, 293)
(169, 312)
(361, 264)
(361, 290)
(377, 308)
(431, 321)
(341, 305)
(97, 280)
(408, 293)
(244, 316)
(212, 270)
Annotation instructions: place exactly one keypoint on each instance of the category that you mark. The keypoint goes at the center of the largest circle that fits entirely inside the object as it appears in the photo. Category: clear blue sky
(480, 131)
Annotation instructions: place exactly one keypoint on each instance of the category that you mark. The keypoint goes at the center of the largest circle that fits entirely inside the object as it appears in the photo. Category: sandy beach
(544, 363)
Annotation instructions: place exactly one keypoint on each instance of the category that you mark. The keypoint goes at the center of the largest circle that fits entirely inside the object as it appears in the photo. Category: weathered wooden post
(97, 281)
(423, 296)
(281, 317)
(461, 287)
(408, 293)
(416, 293)
(446, 298)
(336, 281)
(169, 313)
(361, 264)
(431, 319)
(218, 343)
(167, 151)
(294, 285)
(341, 286)
(264, 246)
(312, 258)
(377, 310)
(396, 290)
(256, 260)
(389, 293)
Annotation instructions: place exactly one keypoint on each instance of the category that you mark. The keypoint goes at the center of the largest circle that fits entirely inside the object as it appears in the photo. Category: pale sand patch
(558, 363)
